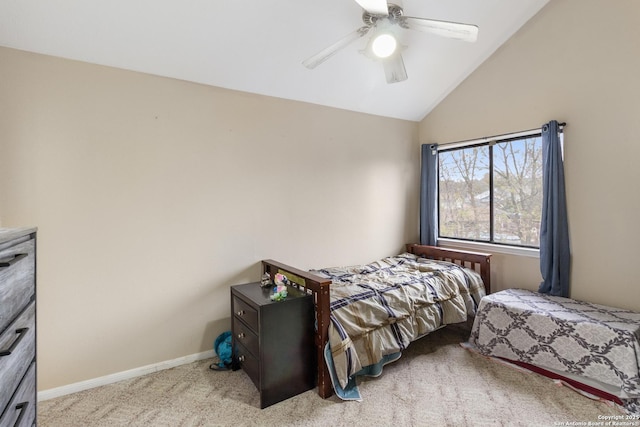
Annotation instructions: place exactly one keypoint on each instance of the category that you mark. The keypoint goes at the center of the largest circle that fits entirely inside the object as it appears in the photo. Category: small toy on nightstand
(266, 282)
(280, 288)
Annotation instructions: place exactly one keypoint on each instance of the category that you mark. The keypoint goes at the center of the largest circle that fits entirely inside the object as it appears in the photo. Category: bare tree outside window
(464, 193)
(492, 192)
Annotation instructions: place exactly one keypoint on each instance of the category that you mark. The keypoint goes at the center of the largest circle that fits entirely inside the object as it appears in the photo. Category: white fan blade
(328, 52)
(453, 30)
(374, 7)
(394, 69)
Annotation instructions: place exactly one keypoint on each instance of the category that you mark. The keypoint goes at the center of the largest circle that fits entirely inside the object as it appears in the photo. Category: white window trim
(489, 247)
(469, 142)
(496, 138)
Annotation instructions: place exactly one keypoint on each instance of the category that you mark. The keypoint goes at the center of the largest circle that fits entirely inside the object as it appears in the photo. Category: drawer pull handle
(22, 407)
(241, 313)
(241, 335)
(241, 358)
(21, 333)
(9, 263)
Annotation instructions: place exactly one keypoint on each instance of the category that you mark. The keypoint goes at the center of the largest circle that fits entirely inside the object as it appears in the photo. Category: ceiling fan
(384, 21)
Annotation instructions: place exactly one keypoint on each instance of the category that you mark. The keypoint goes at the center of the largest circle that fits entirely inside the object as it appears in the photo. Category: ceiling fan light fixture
(384, 45)
(383, 22)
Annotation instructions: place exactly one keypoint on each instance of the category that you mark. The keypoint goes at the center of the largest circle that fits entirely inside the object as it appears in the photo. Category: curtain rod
(449, 145)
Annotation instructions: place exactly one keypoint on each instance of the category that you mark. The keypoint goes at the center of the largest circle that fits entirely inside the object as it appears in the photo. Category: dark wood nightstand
(273, 342)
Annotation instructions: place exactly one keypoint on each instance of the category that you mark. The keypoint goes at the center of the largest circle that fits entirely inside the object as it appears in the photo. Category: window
(492, 192)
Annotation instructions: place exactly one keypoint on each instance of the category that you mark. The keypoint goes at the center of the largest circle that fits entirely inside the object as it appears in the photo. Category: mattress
(379, 308)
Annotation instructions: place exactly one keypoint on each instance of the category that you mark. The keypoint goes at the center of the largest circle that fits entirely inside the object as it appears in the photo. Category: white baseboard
(119, 376)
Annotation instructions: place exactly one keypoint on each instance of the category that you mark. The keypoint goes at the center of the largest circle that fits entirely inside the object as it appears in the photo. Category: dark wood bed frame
(319, 288)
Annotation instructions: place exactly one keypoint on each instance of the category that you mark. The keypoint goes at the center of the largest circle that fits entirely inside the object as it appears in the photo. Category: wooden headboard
(474, 260)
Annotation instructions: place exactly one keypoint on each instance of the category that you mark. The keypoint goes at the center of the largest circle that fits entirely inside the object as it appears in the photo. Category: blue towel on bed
(351, 391)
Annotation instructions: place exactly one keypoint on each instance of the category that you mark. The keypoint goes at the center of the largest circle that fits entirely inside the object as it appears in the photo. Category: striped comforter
(379, 308)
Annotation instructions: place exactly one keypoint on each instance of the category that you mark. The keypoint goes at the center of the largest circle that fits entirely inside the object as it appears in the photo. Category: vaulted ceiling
(258, 46)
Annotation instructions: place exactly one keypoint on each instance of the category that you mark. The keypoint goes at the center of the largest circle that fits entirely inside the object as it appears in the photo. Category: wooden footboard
(473, 260)
(319, 288)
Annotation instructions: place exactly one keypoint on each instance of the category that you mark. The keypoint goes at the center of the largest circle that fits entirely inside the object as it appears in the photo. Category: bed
(389, 311)
(590, 347)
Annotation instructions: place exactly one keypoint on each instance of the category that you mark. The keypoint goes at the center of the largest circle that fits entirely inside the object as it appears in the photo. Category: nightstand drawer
(249, 364)
(248, 314)
(17, 352)
(17, 278)
(21, 411)
(245, 336)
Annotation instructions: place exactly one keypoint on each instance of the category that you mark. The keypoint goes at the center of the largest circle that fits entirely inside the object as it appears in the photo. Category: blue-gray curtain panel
(554, 229)
(429, 195)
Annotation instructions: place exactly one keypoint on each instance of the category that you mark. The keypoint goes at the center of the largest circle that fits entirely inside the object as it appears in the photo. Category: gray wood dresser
(17, 327)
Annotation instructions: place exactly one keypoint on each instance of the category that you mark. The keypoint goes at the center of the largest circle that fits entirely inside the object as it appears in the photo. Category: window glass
(464, 208)
(492, 192)
(517, 184)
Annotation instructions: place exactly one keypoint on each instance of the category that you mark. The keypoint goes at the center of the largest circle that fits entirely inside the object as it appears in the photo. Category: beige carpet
(435, 383)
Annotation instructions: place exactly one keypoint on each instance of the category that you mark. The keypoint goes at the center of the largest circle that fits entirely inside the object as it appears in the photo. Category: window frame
(463, 243)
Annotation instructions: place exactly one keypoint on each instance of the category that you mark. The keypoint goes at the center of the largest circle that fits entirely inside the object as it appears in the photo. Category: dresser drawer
(21, 410)
(17, 352)
(17, 278)
(249, 364)
(247, 313)
(245, 336)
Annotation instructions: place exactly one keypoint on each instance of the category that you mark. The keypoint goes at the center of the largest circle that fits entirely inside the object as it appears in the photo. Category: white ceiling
(257, 45)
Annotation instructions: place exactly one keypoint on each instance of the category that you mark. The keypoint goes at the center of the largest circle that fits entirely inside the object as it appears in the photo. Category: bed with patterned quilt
(591, 347)
(374, 311)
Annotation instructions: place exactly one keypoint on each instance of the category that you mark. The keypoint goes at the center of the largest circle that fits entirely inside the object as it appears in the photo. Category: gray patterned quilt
(590, 341)
(377, 309)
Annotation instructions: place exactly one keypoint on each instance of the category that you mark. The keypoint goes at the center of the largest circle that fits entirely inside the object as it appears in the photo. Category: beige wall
(153, 196)
(576, 61)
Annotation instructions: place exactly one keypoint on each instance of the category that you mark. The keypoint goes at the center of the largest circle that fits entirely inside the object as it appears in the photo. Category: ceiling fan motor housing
(395, 13)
